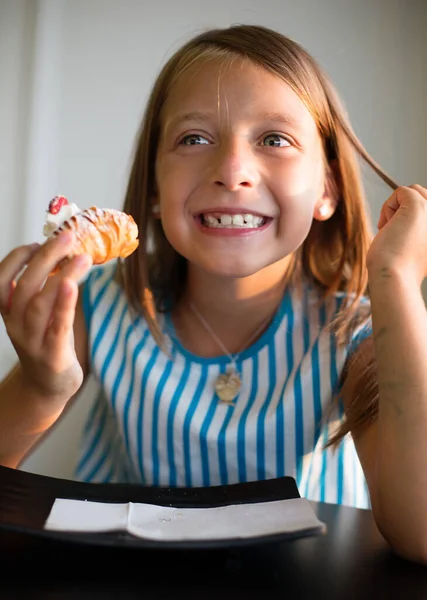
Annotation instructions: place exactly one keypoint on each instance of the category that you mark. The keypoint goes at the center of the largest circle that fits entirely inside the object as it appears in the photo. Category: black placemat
(26, 500)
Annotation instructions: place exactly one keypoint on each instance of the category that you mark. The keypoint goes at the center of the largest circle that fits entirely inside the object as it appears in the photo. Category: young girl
(236, 343)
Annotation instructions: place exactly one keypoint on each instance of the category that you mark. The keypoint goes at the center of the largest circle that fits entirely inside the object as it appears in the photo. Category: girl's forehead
(234, 88)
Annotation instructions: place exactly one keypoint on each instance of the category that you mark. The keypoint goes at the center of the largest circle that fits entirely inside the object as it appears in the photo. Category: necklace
(227, 385)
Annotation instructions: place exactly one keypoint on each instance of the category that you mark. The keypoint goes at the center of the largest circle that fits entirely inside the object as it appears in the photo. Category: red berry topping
(56, 204)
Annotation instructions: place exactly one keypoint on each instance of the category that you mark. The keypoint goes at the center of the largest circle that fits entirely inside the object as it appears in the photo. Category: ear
(327, 204)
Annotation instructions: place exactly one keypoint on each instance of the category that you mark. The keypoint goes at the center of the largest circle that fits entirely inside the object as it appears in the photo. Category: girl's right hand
(38, 311)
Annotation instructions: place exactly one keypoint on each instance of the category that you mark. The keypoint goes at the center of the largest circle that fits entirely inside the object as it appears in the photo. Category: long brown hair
(333, 255)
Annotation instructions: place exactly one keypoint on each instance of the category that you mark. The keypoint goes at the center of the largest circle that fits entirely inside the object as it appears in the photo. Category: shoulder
(312, 298)
(360, 377)
(98, 288)
(361, 305)
(341, 313)
(100, 275)
(351, 321)
(360, 396)
(359, 370)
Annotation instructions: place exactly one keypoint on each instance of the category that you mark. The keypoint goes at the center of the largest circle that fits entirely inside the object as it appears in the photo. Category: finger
(38, 269)
(388, 209)
(9, 299)
(398, 198)
(62, 318)
(38, 314)
(392, 205)
(419, 188)
(10, 267)
(381, 219)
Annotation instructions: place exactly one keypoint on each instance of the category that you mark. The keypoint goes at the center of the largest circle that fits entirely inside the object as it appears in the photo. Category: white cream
(53, 222)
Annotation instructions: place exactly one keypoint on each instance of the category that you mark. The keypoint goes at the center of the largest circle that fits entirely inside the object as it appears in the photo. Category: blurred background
(75, 75)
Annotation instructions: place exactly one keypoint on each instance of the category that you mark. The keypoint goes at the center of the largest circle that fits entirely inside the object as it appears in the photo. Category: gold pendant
(227, 386)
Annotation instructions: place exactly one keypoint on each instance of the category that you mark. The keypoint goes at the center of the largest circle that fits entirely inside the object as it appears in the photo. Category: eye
(193, 139)
(275, 140)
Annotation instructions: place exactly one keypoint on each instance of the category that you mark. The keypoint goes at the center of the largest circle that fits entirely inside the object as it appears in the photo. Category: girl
(237, 344)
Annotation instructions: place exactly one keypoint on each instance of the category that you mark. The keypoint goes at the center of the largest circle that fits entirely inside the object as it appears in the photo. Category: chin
(232, 271)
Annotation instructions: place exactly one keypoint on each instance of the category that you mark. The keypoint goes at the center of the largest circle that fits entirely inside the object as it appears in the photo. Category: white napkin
(166, 523)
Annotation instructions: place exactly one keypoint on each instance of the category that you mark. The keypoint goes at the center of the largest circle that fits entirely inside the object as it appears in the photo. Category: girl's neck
(233, 308)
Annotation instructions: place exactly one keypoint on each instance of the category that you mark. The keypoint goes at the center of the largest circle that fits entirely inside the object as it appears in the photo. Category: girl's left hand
(401, 242)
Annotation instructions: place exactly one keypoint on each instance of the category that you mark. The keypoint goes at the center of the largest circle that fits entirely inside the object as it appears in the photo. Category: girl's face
(240, 171)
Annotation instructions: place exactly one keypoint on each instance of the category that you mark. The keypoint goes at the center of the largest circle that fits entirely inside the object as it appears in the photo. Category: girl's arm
(45, 323)
(393, 452)
(26, 416)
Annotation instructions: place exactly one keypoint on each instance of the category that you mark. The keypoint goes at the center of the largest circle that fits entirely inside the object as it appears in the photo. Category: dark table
(350, 561)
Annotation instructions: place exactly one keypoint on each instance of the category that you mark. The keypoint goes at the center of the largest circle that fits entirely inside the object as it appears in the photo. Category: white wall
(74, 76)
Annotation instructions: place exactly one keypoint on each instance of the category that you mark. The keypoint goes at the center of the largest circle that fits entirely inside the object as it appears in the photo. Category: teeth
(244, 221)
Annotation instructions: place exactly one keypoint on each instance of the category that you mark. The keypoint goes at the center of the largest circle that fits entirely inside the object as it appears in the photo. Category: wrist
(36, 397)
(385, 275)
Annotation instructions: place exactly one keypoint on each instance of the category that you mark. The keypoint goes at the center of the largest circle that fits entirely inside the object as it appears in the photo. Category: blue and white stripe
(157, 420)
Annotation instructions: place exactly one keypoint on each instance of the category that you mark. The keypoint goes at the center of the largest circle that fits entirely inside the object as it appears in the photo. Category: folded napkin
(166, 523)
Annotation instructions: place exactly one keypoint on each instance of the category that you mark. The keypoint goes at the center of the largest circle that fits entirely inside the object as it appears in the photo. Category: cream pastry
(103, 233)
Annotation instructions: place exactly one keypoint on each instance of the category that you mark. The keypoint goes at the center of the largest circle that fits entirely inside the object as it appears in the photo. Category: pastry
(103, 233)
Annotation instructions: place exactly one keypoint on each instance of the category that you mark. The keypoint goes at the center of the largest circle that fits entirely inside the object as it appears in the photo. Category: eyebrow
(277, 117)
(196, 115)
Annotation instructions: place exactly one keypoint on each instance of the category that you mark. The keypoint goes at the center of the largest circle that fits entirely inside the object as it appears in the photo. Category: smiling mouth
(232, 221)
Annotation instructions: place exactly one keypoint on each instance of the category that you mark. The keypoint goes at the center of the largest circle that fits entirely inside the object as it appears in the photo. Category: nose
(235, 166)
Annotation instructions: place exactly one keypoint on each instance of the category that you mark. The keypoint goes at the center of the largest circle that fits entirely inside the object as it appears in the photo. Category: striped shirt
(158, 421)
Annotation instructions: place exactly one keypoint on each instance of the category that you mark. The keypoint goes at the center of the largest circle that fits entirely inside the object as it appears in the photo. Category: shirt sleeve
(361, 333)
(90, 291)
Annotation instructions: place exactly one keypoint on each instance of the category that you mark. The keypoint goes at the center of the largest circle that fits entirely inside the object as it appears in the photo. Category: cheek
(298, 175)
(296, 216)
(297, 189)
(174, 183)
(297, 202)
(174, 222)
(173, 233)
